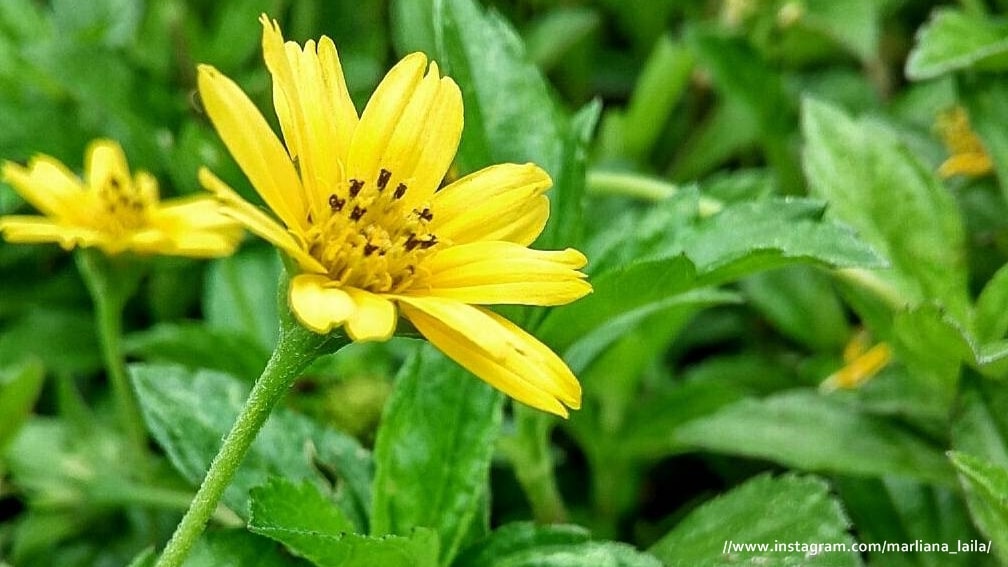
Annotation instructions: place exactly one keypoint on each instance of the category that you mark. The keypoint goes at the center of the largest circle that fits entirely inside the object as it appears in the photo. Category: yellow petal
(497, 351)
(374, 318)
(35, 229)
(48, 186)
(318, 307)
(504, 272)
(105, 161)
(410, 127)
(254, 146)
(970, 164)
(424, 142)
(314, 108)
(258, 222)
(500, 202)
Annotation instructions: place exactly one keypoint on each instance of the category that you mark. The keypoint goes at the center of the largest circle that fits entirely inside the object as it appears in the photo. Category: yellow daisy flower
(358, 207)
(111, 210)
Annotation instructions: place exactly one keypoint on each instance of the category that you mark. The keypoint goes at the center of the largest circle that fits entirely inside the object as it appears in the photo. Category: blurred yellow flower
(371, 233)
(967, 154)
(113, 211)
(861, 363)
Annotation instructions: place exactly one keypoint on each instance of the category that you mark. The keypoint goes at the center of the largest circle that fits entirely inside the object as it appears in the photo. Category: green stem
(628, 184)
(529, 451)
(296, 348)
(111, 283)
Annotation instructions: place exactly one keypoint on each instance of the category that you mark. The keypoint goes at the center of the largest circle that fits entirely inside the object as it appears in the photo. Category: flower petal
(500, 202)
(318, 307)
(105, 161)
(374, 319)
(497, 351)
(48, 186)
(254, 146)
(258, 222)
(504, 272)
(411, 127)
(314, 108)
(36, 229)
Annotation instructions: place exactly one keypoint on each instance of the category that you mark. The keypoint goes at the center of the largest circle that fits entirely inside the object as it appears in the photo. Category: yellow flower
(111, 210)
(861, 363)
(371, 233)
(968, 156)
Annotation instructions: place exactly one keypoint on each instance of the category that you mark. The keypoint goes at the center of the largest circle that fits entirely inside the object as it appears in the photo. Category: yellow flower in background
(967, 154)
(357, 206)
(112, 210)
(861, 363)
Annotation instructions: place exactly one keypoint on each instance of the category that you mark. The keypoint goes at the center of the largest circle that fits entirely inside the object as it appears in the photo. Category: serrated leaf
(419, 549)
(986, 486)
(188, 413)
(20, 387)
(438, 414)
(241, 294)
(740, 517)
(815, 433)
(281, 503)
(954, 40)
(864, 171)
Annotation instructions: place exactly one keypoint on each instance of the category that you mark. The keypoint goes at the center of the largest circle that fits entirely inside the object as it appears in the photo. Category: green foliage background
(754, 182)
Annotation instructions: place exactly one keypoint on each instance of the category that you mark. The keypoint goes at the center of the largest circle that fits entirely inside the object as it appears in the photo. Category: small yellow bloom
(113, 211)
(358, 207)
(860, 364)
(968, 156)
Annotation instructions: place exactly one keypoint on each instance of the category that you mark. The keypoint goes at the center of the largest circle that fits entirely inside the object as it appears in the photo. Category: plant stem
(111, 283)
(529, 451)
(296, 348)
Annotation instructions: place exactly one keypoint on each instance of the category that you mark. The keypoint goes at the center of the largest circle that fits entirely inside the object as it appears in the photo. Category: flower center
(121, 205)
(368, 239)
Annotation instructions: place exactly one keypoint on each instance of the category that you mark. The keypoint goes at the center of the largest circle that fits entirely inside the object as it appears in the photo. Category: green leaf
(63, 340)
(815, 433)
(241, 294)
(145, 558)
(954, 40)
(530, 545)
(188, 413)
(813, 517)
(876, 184)
(980, 424)
(238, 548)
(20, 387)
(801, 302)
(510, 114)
(196, 345)
(986, 486)
(555, 33)
(634, 291)
(419, 549)
(294, 506)
(660, 86)
(519, 537)
(990, 317)
(438, 414)
(412, 26)
(854, 23)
